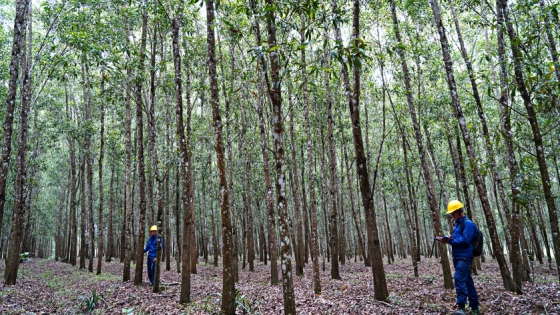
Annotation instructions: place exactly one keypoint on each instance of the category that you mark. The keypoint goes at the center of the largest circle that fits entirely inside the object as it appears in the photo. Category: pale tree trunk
(299, 249)
(479, 180)
(228, 284)
(73, 235)
(83, 209)
(550, 38)
(426, 170)
(19, 211)
(379, 282)
(18, 51)
(88, 155)
(126, 247)
(101, 144)
(271, 221)
(535, 128)
(335, 273)
(140, 167)
(311, 180)
(274, 91)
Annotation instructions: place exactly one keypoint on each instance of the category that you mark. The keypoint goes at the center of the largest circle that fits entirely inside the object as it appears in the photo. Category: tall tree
(353, 92)
(18, 45)
(228, 284)
(101, 155)
(140, 166)
(19, 212)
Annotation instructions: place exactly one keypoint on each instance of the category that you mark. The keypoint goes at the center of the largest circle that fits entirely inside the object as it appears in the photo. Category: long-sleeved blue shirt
(461, 244)
(151, 246)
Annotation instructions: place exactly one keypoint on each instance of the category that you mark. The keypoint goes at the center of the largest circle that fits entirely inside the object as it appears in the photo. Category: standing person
(461, 244)
(151, 248)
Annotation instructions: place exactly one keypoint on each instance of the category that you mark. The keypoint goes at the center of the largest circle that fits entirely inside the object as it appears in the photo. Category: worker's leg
(151, 268)
(462, 271)
(473, 296)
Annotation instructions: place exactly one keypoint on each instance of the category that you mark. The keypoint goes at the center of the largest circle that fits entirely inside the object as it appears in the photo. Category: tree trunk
(18, 52)
(333, 216)
(110, 242)
(535, 128)
(298, 250)
(379, 282)
(140, 166)
(19, 211)
(479, 181)
(271, 221)
(426, 170)
(274, 91)
(126, 246)
(101, 144)
(228, 284)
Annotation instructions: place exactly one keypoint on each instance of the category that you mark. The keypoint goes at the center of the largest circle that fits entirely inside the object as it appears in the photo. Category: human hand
(444, 239)
(155, 260)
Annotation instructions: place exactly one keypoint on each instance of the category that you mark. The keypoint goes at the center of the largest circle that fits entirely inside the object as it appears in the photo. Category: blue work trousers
(151, 269)
(464, 285)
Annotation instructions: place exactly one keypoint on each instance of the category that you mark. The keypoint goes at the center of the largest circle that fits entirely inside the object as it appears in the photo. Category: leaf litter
(51, 287)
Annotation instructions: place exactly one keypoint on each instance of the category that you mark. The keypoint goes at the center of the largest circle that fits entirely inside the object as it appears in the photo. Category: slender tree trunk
(19, 211)
(248, 208)
(535, 128)
(110, 252)
(299, 249)
(479, 181)
(271, 221)
(426, 170)
(228, 285)
(333, 216)
(274, 91)
(505, 124)
(140, 165)
(379, 282)
(126, 246)
(101, 155)
(18, 52)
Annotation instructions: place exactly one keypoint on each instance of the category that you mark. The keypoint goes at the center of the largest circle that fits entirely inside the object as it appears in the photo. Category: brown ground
(47, 287)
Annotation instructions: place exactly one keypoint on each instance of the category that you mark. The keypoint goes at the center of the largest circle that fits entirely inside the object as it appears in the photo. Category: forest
(295, 157)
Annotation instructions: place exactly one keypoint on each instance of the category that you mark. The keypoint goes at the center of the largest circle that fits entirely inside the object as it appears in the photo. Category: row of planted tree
(291, 132)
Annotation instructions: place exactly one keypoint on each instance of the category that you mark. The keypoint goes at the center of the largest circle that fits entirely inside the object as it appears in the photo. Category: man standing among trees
(151, 248)
(464, 233)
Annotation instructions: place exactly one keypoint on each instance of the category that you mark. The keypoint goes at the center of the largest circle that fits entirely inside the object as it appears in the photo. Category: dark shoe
(475, 312)
(460, 311)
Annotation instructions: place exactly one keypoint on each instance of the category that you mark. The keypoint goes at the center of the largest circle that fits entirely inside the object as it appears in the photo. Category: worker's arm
(464, 238)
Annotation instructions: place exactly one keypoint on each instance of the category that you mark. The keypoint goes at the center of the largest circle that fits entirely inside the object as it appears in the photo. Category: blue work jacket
(151, 246)
(461, 244)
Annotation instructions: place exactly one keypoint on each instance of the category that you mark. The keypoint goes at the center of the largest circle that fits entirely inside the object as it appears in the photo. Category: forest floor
(48, 287)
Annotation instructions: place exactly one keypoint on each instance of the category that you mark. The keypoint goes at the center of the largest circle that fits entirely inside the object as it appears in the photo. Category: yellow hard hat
(153, 228)
(453, 206)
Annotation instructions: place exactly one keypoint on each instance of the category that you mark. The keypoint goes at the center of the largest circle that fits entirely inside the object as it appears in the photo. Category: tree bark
(101, 155)
(228, 284)
(274, 91)
(271, 221)
(126, 247)
(298, 248)
(18, 49)
(379, 282)
(19, 211)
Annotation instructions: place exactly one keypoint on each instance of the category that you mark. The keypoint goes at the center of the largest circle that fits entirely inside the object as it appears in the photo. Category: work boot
(460, 310)
(475, 312)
